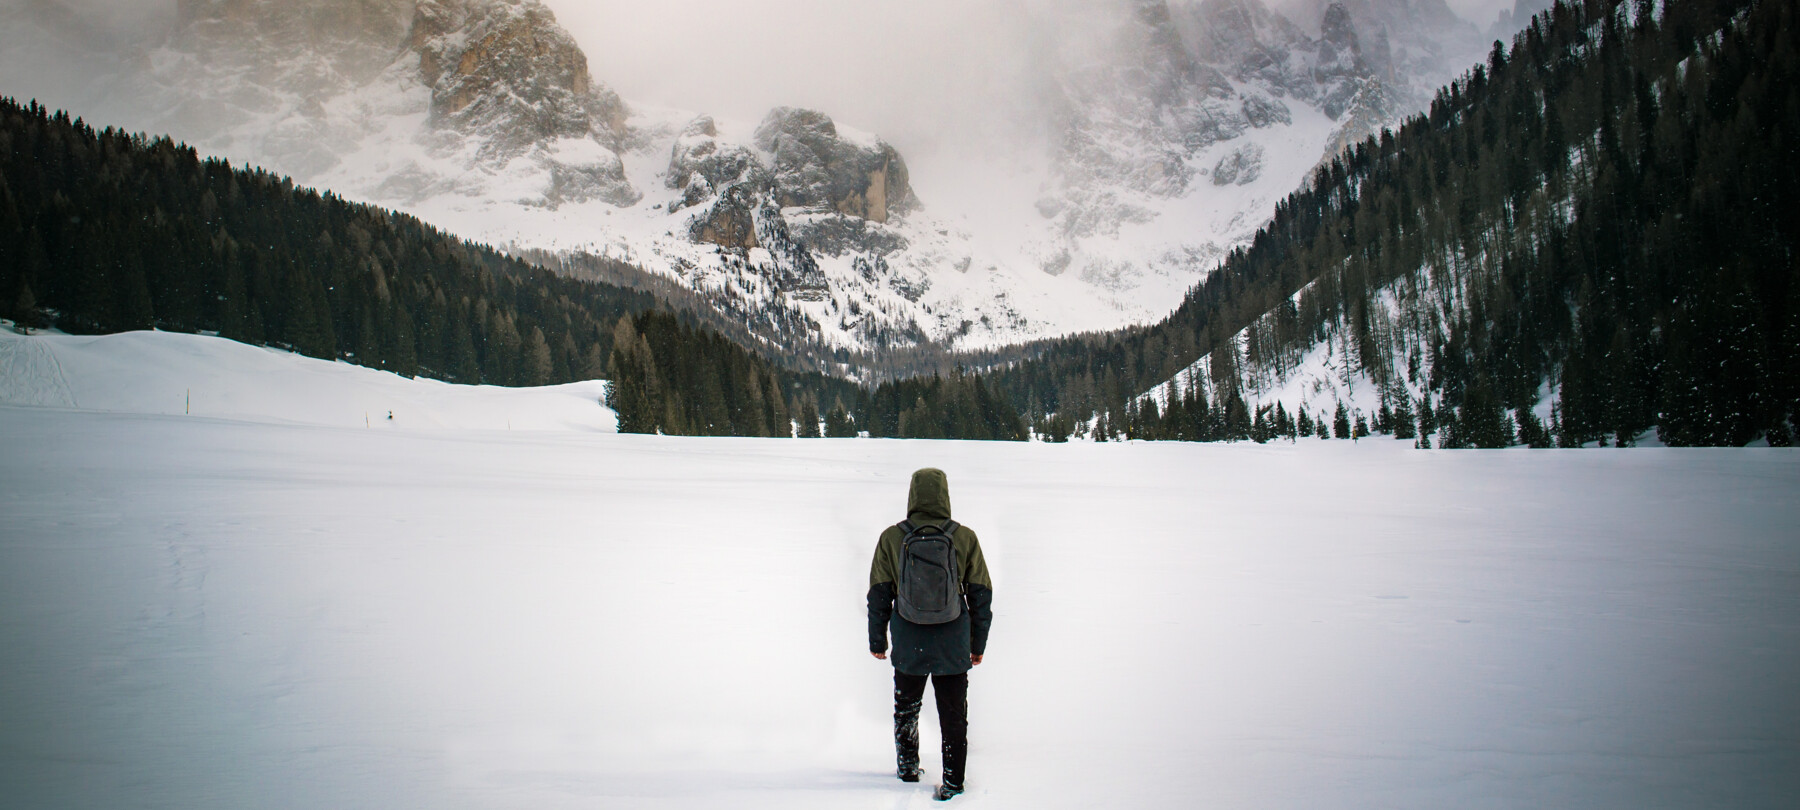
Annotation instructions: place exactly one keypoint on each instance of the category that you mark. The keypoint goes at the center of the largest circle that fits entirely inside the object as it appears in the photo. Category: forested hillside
(1603, 218)
(103, 231)
(1589, 236)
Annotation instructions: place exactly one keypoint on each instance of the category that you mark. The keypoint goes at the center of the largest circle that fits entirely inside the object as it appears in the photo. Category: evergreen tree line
(954, 406)
(673, 377)
(1608, 208)
(782, 333)
(105, 232)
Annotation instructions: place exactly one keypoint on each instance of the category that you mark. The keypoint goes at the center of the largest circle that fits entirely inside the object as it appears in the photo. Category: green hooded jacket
(938, 649)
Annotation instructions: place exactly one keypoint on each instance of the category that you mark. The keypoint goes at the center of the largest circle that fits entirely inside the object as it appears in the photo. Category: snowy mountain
(1172, 128)
(1510, 270)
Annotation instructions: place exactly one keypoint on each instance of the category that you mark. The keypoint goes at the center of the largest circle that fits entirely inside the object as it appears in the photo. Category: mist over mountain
(868, 179)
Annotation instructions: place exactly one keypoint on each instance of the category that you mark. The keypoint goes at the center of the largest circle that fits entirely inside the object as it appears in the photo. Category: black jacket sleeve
(881, 606)
(981, 616)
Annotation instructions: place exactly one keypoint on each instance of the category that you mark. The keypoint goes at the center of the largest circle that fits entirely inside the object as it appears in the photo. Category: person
(942, 653)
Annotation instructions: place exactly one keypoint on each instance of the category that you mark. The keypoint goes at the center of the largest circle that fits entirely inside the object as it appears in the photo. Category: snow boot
(954, 756)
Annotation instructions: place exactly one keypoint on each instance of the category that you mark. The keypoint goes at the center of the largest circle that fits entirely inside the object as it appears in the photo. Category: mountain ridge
(485, 120)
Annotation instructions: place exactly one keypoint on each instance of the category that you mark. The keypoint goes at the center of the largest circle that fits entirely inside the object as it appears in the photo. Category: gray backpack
(930, 586)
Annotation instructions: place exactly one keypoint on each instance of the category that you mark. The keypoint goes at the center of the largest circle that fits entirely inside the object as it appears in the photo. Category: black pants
(952, 694)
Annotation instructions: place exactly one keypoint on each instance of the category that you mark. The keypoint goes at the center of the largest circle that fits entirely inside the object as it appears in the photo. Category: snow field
(232, 612)
(197, 375)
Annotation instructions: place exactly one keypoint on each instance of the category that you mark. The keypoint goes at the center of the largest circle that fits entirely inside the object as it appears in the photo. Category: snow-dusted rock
(412, 99)
(504, 74)
(815, 168)
(1241, 167)
(1168, 131)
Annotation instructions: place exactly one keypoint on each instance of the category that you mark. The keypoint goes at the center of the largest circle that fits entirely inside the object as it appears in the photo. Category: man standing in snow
(929, 586)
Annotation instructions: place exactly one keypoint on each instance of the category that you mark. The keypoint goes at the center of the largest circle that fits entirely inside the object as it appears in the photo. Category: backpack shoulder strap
(906, 528)
(949, 530)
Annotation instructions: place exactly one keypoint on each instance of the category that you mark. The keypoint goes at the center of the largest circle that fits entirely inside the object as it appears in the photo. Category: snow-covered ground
(242, 610)
(196, 375)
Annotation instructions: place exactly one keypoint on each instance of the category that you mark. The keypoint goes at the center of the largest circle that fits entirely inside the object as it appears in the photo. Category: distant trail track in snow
(31, 375)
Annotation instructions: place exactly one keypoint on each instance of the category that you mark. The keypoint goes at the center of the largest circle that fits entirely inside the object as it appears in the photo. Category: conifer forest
(1590, 236)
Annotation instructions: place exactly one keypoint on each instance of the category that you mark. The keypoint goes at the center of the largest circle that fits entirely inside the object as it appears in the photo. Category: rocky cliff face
(313, 88)
(1185, 77)
(1169, 131)
(1138, 115)
(796, 160)
(798, 189)
(814, 168)
(1412, 45)
(503, 72)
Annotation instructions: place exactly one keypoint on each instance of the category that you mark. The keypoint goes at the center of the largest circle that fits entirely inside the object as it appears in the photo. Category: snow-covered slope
(200, 376)
(1162, 135)
(199, 614)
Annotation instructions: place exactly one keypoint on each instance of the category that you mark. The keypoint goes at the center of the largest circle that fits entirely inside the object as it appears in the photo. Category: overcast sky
(930, 76)
(902, 68)
(892, 66)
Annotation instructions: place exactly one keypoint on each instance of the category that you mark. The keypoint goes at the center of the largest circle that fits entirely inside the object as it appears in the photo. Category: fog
(959, 86)
(916, 72)
(925, 74)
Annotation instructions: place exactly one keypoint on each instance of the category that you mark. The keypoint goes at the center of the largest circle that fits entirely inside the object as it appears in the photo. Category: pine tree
(809, 420)
(1403, 421)
(306, 323)
(1340, 423)
(838, 424)
(1531, 431)
(593, 364)
(25, 309)
(636, 390)
(537, 365)
(1713, 372)
(464, 361)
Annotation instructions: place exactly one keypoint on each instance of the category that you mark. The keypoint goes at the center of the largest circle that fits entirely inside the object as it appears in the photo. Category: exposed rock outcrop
(1340, 67)
(837, 235)
(729, 222)
(1241, 167)
(1404, 40)
(814, 168)
(1140, 115)
(795, 271)
(702, 166)
(505, 72)
(1252, 43)
(304, 85)
(844, 191)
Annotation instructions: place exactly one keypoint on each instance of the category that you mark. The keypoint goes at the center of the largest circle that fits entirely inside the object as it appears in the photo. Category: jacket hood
(930, 495)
